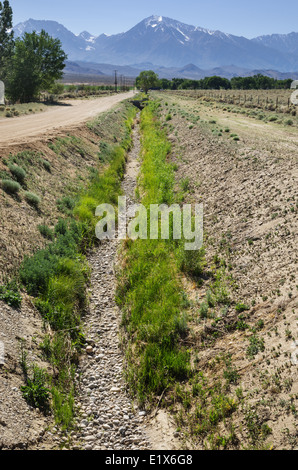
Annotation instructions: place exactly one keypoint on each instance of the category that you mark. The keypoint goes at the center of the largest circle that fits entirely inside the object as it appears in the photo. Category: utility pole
(116, 82)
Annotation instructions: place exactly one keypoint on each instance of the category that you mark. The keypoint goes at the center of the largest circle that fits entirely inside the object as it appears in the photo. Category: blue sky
(248, 18)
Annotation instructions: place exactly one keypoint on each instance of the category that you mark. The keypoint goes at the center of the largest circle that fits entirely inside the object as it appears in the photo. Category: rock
(112, 425)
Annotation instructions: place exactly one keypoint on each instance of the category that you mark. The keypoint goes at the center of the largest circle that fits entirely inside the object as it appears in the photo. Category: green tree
(216, 83)
(147, 80)
(38, 61)
(6, 38)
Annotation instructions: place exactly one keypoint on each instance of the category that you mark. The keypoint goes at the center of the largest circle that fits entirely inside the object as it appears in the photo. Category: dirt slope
(75, 154)
(249, 191)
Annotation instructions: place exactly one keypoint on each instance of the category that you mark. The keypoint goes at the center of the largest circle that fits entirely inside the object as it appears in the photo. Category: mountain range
(169, 46)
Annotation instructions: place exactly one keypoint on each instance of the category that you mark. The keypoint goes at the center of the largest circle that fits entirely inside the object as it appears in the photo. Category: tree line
(149, 79)
(256, 82)
(30, 64)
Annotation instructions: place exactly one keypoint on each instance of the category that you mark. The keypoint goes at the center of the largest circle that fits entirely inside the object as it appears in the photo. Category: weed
(258, 431)
(230, 374)
(11, 187)
(58, 275)
(46, 232)
(10, 294)
(203, 311)
(32, 199)
(35, 391)
(149, 291)
(66, 205)
(255, 346)
(18, 172)
(185, 183)
(46, 165)
(240, 307)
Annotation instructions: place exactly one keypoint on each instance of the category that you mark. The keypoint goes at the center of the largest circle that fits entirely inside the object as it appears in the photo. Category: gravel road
(25, 129)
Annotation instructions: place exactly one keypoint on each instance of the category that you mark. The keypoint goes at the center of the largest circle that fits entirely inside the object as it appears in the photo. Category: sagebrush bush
(18, 172)
(46, 165)
(10, 186)
(32, 199)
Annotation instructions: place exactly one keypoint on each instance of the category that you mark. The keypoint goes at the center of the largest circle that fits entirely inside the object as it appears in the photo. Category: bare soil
(26, 129)
(22, 426)
(249, 191)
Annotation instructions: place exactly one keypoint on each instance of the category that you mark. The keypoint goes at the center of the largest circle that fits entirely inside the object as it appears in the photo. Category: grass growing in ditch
(58, 275)
(149, 290)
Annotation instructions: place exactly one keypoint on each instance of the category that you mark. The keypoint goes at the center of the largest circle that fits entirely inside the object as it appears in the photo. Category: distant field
(98, 80)
(250, 102)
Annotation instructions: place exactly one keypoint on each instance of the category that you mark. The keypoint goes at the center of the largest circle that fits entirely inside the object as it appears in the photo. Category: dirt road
(28, 128)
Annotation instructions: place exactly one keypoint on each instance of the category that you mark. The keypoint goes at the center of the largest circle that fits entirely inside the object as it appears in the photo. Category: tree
(6, 38)
(216, 83)
(38, 61)
(147, 80)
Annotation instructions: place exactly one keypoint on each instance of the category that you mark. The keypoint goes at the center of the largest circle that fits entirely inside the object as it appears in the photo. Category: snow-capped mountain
(286, 43)
(169, 43)
(72, 44)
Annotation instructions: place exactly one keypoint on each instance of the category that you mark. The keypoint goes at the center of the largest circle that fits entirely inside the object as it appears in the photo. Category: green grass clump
(190, 262)
(32, 199)
(58, 275)
(256, 345)
(36, 271)
(66, 204)
(18, 172)
(240, 307)
(10, 187)
(46, 232)
(46, 165)
(36, 392)
(149, 289)
(105, 152)
(10, 294)
(185, 183)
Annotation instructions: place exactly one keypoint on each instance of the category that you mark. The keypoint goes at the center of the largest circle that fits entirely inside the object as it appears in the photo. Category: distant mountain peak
(87, 36)
(167, 42)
